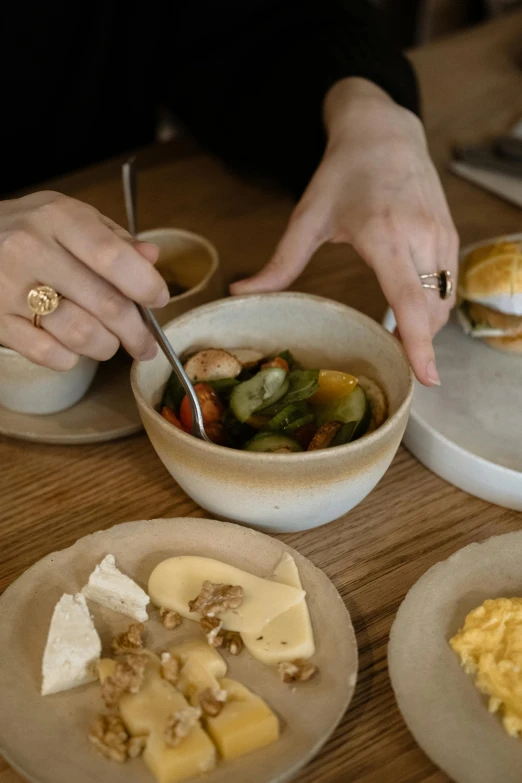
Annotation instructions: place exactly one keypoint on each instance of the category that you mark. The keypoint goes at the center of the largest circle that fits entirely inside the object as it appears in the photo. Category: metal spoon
(198, 428)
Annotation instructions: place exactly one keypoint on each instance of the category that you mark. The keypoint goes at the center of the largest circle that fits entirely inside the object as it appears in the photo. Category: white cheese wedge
(108, 587)
(290, 635)
(176, 581)
(73, 647)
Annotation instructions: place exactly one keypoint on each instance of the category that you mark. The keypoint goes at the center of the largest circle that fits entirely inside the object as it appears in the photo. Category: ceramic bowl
(280, 492)
(190, 265)
(29, 388)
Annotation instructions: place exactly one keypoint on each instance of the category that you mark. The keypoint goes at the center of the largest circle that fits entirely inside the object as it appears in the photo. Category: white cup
(29, 388)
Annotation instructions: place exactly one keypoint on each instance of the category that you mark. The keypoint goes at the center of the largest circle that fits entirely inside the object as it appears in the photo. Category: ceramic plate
(444, 711)
(107, 412)
(468, 430)
(46, 738)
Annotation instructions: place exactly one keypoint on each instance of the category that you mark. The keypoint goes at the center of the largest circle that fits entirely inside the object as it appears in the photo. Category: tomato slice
(333, 386)
(217, 433)
(277, 362)
(211, 406)
(171, 417)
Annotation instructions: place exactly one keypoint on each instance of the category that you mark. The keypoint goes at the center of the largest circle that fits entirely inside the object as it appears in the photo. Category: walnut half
(127, 678)
(171, 619)
(180, 724)
(130, 640)
(229, 640)
(110, 737)
(169, 668)
(216, 598)
(212, 701)
(296, 671)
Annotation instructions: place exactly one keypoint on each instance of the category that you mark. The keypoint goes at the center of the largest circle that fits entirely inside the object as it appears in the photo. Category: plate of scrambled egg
(455, 662)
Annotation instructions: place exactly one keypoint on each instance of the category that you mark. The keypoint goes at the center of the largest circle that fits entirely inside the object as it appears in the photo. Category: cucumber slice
(289, 413)
(261, 391)
(272, 441)
(354, 408)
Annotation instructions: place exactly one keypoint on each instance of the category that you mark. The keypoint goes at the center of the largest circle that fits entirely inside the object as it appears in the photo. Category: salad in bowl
(272, 403)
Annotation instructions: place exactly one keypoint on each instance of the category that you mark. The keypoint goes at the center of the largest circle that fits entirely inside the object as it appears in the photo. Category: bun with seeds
(490, 295)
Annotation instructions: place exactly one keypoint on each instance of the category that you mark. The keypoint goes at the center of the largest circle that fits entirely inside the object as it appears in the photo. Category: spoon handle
(198, 428)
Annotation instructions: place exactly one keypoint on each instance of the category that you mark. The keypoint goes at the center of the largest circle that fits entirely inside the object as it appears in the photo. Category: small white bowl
(189, 261)
(29, 388)
(276, 492)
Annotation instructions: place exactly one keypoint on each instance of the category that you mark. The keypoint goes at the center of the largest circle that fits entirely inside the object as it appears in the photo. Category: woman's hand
(377, 190)
(49, 239)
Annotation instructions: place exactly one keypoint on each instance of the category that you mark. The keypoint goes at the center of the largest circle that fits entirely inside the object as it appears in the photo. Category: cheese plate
(46, 738)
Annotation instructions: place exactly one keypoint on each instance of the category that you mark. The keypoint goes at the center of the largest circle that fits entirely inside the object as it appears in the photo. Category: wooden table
(53, 495)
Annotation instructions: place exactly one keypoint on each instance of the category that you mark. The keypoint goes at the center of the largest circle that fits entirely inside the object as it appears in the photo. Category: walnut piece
(171, 619)
(136, 746)
(212, 701)
(169, 668)
(180, 724)
(129, 641)
(127, 678)
(109, 736)
(296, 671)
(216, 598)
(232, 642)
(211, 627)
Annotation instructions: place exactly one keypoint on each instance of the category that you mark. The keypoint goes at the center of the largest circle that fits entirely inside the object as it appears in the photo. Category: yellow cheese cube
(201, 666)
(147, 713)
(196, 754)
(244, 724)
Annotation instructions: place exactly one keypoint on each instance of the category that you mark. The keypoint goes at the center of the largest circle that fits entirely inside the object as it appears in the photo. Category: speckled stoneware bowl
(280, 492)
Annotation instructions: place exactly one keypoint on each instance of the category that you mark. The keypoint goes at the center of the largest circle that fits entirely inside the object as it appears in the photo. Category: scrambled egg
(490, 647)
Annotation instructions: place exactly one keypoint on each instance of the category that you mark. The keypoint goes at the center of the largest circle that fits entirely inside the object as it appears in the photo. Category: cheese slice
(73, 646)
(108, 587)
(147, 713)
(245, 723)
(290, 635)
(176, 581)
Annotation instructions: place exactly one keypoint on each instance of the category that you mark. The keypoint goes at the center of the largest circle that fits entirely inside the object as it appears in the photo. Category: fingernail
(149, 353)
(433, 375)
(162, 299)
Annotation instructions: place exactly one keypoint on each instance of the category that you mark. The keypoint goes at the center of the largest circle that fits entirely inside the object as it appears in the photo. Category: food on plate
(272, 404)
(108, 587)
(490, 648)
(73, 646)
(244, 724)
(178, 708)
(195, 586)
(288, 636)
(490, 295)
(176, 745)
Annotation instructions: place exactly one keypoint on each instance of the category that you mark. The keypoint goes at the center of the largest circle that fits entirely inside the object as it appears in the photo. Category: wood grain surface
(472, 86)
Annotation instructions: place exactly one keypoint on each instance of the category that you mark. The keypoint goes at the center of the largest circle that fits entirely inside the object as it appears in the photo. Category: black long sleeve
(250, 79)
(247, 79)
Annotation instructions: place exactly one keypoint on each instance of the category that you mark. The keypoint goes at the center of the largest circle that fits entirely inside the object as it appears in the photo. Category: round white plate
(46, 738)
(107, 412)
(467, 431)
(441, 706)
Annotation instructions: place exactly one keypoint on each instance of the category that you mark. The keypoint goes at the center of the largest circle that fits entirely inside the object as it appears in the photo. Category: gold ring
(444, 283)
(42, 300)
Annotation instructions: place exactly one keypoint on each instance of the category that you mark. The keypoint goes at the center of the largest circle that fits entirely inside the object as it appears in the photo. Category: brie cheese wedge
(108, 587)
(73, 647)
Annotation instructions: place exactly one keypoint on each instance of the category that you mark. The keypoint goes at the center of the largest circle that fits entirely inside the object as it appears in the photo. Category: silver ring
(444, 283)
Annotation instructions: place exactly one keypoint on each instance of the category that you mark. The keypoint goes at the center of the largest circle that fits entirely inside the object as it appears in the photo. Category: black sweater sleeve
(248, 78)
